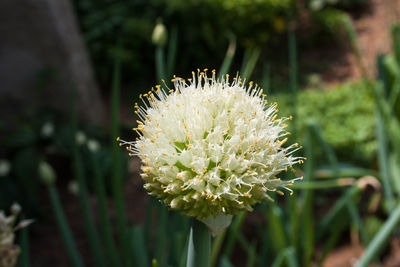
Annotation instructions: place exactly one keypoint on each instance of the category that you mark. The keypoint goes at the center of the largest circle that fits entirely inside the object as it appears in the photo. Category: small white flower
(46, 173)
(47, 130)
(8, 226)
(160, 34)
(5, 167)
(73, 187)
(80, 138)
(93, 145)
(210, 147)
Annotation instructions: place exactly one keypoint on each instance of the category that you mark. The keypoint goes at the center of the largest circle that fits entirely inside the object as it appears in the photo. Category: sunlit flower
(211, 147)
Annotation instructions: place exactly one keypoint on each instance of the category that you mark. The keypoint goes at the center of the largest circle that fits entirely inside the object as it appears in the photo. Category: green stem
(233, 233)
(216, 246)
(252, 58)
(64, 228)
(172, 48)
(161, 249)
(380, 239)
(24, 241)
(79, 173)
(199, 252)
(230, 53)
(106, 229)
(88, 220)
(117, 174)
(160, 64)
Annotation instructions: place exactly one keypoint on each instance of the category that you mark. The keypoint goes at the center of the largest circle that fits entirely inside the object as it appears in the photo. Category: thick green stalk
(276, 227)
(383, 143)
(69, 242)
(233, 232)
(251, 254)
(161, 248)
(148, 225)
(139, 248)
(380, 239)
(199, 252)
(106, 229)
(216, 246)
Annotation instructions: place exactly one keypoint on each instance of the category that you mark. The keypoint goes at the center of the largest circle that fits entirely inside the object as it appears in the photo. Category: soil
(372, 25)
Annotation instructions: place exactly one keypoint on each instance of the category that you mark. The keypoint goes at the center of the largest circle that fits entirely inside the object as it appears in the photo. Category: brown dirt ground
(372, 26)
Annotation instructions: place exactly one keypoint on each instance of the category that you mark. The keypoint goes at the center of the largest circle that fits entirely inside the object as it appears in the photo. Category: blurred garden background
(71, 71)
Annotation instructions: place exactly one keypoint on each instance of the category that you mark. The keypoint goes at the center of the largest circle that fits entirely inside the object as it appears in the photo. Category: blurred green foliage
(285, 234)
(204, 29)
(320, 4)
(345, 115)
(46, 135)
(329, 22)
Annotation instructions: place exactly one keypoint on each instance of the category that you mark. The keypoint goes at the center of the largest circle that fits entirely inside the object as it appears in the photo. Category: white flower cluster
(8, 226)
(211, 147)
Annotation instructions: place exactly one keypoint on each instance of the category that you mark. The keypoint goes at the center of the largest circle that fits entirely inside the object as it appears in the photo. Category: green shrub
(345, 115)
(329, 22)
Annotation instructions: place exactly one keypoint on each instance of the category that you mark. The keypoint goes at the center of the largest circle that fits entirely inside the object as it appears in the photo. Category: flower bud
(93, 145)
(46, 173)
(80, 138)
(160, 34)
(15, 208)
(5, 167)
(47, 130)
